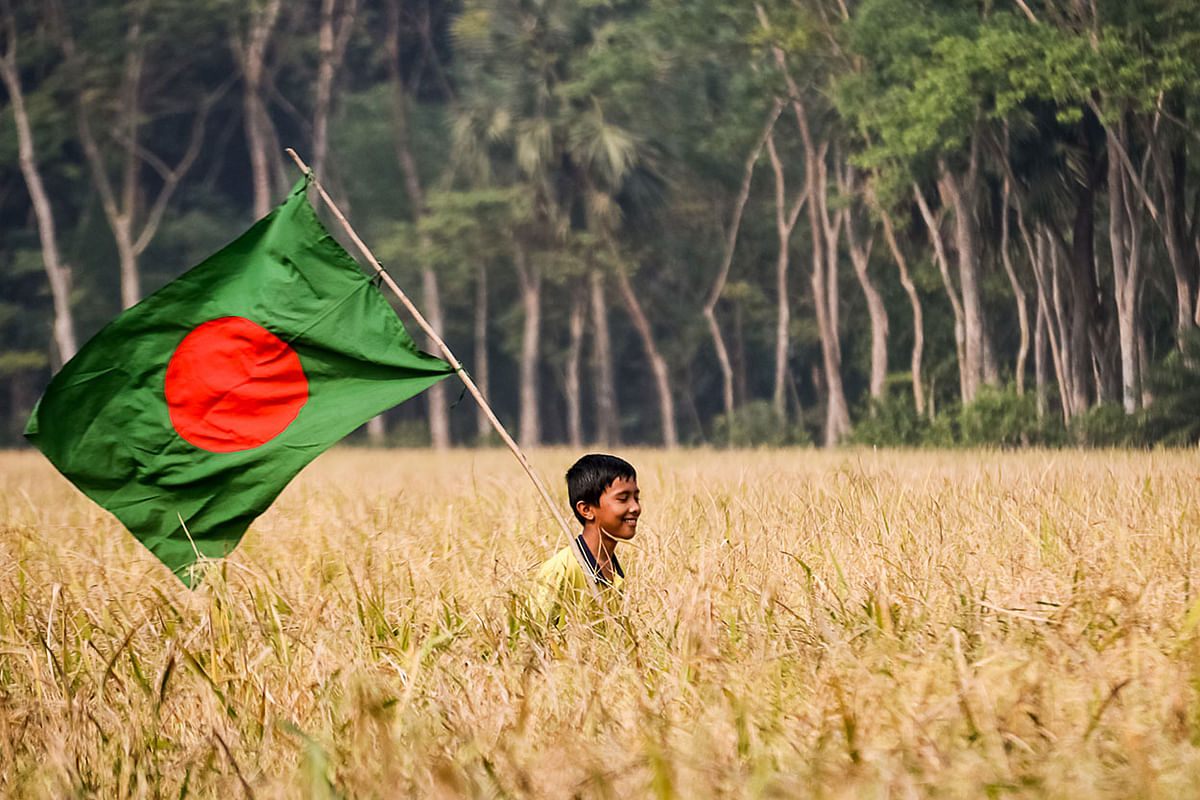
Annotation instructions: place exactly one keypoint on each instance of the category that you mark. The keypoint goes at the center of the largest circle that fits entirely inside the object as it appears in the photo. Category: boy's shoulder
(565, 587)
(564, 568)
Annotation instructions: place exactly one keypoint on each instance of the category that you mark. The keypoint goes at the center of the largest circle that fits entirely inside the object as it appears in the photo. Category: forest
(771, 222)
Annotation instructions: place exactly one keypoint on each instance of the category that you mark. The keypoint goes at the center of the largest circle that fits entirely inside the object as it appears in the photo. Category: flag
(188, 414)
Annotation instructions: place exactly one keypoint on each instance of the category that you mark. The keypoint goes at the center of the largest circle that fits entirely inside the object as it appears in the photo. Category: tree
(658, 365)
(250, 37)
(123, 99)
(533, 114)
(436, 400)
(917, 102)
(574, 187)
(714, 295)
(58, 274)
(860, 255)
(787, 212)
(914, 299)
(338, 19)
(825, 224)
(608, 430)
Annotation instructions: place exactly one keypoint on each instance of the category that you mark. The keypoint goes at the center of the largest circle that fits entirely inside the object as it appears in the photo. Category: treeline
(784, 221)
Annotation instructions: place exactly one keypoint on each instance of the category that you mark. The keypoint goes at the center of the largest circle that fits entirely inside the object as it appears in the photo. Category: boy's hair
(591, 475)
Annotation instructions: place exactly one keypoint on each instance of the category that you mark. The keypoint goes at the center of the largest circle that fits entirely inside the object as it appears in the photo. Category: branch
(172, 177)
(793, 92)
(8, 59)
(1028, 13)
(108, 198)
(939, 249)
(780, 186)
(1127, 163)
(345, 27)
(848, 185)
(740, 205)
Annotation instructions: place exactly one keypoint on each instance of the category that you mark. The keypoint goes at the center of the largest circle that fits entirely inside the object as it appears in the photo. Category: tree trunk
(1179, 253)
(250, 54)
(1143, 358)
(939, 256)
(1039, 359)
(782, 330)
(439, 412)
(58, 274)
(124, 206)
(332, 38)
(960, 198)
(737, 358)
(714, 295)
(577, 322)
(483, 426)
(662, 378)
(1084, 290)
(1124, 245)
(377, 430)
(131, 284)
(1040, 255)
(258, 142)
(608, 432)
(323, 88)
(785, 222)
(837, 414)
(914, 300)
(825, 296)
(529, 280)
(860, 256)
(1018, 293)
(435, 396)
(1061, 325)
(119, 211)
(1169, 155)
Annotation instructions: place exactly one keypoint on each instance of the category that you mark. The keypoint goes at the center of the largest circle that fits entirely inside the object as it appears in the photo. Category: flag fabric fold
(200, 403)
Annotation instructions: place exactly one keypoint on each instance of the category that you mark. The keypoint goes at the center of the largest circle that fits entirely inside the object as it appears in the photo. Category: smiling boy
(604, 495)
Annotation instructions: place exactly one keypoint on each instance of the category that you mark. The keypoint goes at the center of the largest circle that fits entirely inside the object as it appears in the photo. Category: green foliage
(892, 421)
(755, 425)
(1106, 425)
(1175, 385)
(365, 144)
(919, 90)
(464, 229)
(999, 417)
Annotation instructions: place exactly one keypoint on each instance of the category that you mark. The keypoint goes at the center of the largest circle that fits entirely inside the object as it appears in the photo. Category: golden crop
(796, 624)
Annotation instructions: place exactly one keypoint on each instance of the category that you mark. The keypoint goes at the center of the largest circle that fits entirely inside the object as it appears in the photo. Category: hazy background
(651, 222)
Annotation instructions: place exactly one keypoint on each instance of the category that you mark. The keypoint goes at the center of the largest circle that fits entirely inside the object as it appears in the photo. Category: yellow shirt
(562, 586)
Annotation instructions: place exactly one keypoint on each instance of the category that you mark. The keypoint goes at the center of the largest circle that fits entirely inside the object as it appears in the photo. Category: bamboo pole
(572, 540)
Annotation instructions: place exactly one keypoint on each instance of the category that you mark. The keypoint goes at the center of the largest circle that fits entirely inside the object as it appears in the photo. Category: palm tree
(524, 118)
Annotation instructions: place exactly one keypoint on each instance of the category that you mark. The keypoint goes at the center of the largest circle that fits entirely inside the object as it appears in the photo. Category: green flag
(204, 400)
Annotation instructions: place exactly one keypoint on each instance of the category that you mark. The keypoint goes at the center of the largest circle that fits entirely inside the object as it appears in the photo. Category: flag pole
(454, 362)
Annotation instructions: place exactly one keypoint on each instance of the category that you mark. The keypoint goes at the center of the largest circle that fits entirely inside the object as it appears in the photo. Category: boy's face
(618, 510)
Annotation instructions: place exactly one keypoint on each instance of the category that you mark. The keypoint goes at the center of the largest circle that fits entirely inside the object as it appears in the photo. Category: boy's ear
(585, 510)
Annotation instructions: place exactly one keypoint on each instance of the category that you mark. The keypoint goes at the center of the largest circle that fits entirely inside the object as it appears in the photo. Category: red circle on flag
(233, 385)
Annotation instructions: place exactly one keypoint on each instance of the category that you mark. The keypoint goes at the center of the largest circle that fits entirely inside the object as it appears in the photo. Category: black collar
(598, 578)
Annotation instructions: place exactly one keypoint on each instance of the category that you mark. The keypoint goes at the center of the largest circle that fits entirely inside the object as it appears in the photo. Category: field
(796, 624)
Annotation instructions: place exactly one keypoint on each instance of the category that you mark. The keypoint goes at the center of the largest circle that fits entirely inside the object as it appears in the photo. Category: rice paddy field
(854, 624)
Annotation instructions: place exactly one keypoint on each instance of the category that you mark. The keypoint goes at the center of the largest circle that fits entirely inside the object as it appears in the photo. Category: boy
(604, 496)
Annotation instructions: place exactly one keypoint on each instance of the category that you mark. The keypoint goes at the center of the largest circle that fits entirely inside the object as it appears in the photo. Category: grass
(797, 624)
